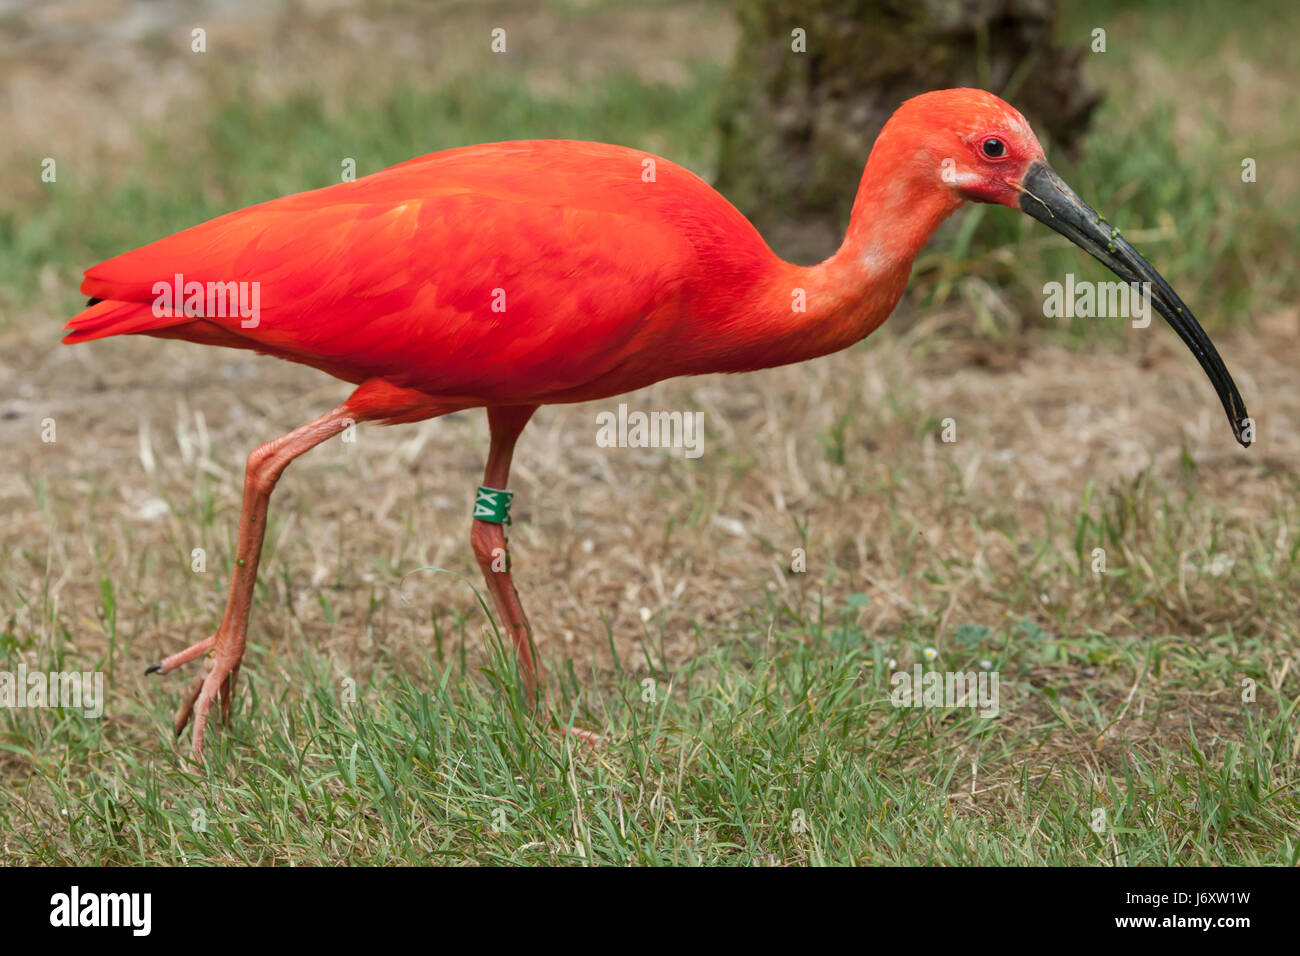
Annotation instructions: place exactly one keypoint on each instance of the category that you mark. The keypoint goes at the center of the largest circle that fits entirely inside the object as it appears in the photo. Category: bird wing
(491, 272)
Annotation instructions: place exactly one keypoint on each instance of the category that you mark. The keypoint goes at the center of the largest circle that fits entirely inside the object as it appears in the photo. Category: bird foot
(586, 738)
(169, 664)
(217, 681)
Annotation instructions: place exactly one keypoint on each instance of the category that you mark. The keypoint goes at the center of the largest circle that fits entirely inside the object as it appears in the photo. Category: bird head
(980, 149)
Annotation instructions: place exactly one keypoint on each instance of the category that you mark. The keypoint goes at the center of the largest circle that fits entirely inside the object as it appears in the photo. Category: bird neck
(897, 210)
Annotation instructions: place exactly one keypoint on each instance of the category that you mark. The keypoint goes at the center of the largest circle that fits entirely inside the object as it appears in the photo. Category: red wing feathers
(507, 271)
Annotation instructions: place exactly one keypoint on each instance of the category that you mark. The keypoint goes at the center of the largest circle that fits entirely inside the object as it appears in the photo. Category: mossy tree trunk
(797, 126)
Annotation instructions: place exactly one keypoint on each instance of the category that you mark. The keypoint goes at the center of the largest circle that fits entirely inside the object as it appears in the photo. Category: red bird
(514, 275)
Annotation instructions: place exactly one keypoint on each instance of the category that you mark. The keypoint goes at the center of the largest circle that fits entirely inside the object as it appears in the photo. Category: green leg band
(493, 504)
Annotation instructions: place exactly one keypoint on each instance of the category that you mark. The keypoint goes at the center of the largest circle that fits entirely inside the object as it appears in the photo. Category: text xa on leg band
(493, 504)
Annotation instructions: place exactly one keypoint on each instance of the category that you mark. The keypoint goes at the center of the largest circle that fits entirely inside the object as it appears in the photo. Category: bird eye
(994, 148)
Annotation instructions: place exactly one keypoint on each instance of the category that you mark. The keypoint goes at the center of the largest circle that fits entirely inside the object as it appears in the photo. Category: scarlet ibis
(513, 275)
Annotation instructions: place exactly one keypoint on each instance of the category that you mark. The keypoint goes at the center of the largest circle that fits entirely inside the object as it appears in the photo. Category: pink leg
(226, 647)
(489, 539)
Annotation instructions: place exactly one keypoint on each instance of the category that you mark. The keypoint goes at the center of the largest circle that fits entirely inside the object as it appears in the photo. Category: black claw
(153, 668)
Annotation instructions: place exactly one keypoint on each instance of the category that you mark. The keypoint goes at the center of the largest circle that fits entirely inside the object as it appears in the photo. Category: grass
(772, 749)
(745, 708)
(770, 741)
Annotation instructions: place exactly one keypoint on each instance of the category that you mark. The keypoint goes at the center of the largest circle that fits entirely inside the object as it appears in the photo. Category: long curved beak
(1046, 197)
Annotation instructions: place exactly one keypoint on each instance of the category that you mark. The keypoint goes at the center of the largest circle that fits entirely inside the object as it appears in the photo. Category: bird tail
(105, 317)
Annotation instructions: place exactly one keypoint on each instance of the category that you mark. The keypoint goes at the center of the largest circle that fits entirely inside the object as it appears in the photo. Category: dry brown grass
(601, 534)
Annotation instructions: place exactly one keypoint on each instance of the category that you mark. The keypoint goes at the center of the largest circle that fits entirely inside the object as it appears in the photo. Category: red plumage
(601, 282)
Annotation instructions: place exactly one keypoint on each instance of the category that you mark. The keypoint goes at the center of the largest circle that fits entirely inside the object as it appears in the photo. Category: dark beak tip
(1046, 197)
